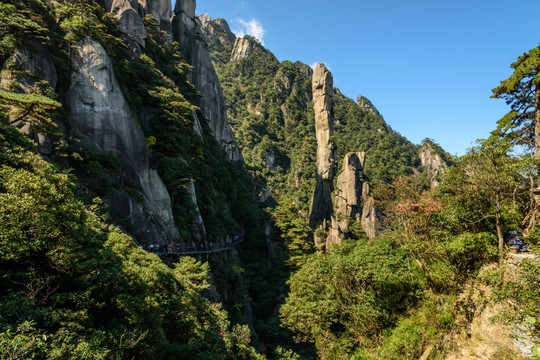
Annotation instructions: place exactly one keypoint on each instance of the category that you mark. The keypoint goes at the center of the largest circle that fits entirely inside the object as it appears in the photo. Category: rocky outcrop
(187, 32)
(352, 201)
(366, 105)
(324, 122)
(216, 29)
(321, 210)
(243, 47)
(161, 10)
(371, 216)
(23, 70)
(37, 65)
(348, 194)
(129, 14)
(432, 163)
(102, 119)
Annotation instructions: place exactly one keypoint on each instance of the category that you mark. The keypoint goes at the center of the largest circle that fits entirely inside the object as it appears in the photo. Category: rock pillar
(321, 210)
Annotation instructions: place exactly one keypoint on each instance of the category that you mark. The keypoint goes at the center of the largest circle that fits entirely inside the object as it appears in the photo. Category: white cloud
(252, 27)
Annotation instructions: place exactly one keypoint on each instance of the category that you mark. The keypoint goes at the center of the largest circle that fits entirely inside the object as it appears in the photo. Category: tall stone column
(321, 210)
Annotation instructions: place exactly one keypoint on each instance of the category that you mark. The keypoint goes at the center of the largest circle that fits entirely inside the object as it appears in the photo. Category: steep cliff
(23, 71)
(348, 194)
(129, 15)
(432, 162)
(102, 119)
(187, 32)
(321, 209)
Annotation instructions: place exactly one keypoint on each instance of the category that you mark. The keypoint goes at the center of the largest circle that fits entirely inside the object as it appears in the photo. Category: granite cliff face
(187, 32)
(129, 14)
(348, 193)
(33, 66)
(102, 119)
(352, 200)
(243, 47)
(432, 163)
(321, 210)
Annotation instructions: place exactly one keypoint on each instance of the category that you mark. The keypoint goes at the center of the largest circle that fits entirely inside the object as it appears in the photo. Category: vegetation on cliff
(75, 285)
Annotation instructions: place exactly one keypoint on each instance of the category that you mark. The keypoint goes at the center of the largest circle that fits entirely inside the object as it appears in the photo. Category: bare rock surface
(243, 47)
(348, 193)
(102, 119)
(321, 209)
(188, 33)
(31, 67)
(129, 17)
(432, 163)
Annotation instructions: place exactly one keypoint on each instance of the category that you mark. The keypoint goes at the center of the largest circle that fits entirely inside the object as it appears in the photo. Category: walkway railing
(196, 250)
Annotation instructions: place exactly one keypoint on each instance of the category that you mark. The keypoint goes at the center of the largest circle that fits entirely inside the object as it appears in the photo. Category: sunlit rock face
(352, 200)
(130, 15)
(321, 209)
(432, 163)
(348, 193)
(243, 47)
(101, 118)
(187, 32)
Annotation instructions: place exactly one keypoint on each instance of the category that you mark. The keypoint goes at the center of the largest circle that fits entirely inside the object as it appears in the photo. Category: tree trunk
(537, 122)
(535, 193)
(499, 230)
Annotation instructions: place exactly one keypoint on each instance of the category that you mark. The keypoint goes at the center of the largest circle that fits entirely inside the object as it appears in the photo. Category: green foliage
(35, 109)
(519, 91)
(24, 342)
(20, 24)
(344, 300)
(523, 289)
(486, 187)
(71, 286)
(80, 18)
(422, 327)
(388, 154)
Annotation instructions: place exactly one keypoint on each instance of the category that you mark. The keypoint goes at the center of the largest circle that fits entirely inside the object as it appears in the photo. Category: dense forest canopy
(76, 280)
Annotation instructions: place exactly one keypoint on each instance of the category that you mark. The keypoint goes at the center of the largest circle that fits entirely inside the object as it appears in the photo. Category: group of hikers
(195, 248)
(157, 248)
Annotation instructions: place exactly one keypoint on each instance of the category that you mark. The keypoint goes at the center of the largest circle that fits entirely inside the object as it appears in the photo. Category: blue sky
(427, 65)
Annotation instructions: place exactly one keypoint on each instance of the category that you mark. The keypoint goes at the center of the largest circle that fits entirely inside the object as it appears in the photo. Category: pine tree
(522, 124)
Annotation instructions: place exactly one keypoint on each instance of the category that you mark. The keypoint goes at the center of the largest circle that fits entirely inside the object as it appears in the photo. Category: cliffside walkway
(212, 248)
